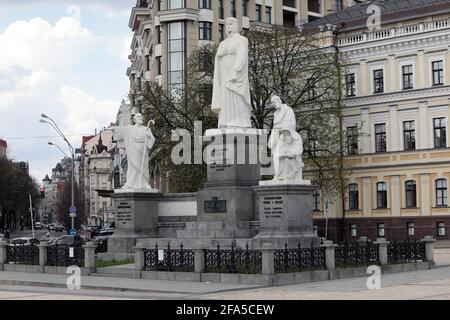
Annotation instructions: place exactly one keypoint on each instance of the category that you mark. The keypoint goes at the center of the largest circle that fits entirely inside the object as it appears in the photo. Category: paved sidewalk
(169, 288)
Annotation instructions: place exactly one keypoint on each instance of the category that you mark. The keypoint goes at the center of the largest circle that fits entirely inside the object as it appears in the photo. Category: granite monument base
(136, 217)
(285, 213)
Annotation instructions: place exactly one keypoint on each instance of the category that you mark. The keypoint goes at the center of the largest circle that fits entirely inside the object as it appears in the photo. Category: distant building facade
(3, 148)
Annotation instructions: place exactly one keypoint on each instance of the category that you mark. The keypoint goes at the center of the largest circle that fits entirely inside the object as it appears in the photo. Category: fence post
(89, 257)
(429, 248)
(43, 253)
(3, 245)
(139, 258)
(268, 259)
(330, 260)
(199, 260)
(382, 251)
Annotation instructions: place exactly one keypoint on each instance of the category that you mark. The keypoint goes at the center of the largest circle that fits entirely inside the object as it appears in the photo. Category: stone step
(106, 275)
(129, 271)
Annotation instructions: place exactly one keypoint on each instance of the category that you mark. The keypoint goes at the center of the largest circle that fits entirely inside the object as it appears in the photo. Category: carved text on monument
(273, 207)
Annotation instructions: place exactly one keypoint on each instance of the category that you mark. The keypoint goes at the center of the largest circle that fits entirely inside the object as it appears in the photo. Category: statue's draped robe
(283, 146)
(135, 138)
(231, 99)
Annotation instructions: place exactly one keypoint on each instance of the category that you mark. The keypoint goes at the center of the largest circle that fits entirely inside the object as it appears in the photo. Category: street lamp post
(72, 151)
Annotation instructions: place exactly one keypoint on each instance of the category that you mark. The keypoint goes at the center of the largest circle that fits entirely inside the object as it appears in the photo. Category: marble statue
(231, 91)
(138, 140)
(286, 145)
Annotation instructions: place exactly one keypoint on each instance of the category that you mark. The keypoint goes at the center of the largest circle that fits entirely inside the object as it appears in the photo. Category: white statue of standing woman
(286, 145)
(138, 140)
(231, 91)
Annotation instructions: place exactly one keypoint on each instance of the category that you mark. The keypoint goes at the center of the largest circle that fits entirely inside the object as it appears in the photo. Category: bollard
(199, 260)
(268, 259)
(382, 251)
(43, 253)
(139, 258)
(89, 257)
(429, 248)
(329, 254)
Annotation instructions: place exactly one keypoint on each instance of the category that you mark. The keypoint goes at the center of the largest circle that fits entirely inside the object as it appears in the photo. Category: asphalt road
(37, 234)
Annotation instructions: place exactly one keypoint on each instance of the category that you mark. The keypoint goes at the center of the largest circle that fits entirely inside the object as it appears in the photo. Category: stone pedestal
(285, 213)
(136, 217)
(226, 205)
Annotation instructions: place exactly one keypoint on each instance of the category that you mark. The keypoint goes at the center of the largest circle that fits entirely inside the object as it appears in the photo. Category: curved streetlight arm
(57, 146)
(56, 127)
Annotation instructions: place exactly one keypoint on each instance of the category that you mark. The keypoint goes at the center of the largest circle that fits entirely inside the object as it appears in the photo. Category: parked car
(24, 241)
(51, 226)
(38, 226)
(49, 240)
(108, 229)
(59, 228)
(69, 240)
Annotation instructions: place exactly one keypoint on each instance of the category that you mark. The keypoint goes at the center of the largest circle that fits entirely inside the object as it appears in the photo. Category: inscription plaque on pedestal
(124, 213)
(273, 207)
(216, 206)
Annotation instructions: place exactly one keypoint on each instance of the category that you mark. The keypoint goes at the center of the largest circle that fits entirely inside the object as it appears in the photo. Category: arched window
(353, 197)
(381, 195)
(441, 193)
(411, 194)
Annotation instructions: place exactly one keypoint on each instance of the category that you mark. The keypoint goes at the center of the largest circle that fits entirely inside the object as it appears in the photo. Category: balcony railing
(394, 32)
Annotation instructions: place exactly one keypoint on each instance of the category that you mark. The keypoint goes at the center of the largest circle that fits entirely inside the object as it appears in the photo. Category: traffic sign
(73, 215)
(73, 210)
(73, 232)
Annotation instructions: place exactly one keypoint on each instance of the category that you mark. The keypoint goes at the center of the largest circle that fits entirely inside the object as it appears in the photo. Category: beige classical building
(397, 90)
(167, 31)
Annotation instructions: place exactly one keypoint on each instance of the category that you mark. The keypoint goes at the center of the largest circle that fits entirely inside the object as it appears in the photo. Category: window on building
(314, 6)
(316, 200)
(378, 81)
(176, 55)
(204, 31)
(353, 197)
(312, 88)
(221, 32)
(220, 9)
(350, 84)
(204, 4)
(176, 4)
(258, 11)
(380, 230)
(268, 14)
(382, 195)
(352, 140)
(159, 65)
(313, 144)
(440, 132)
(441, 229)
(410, 229)
(233, 8)
(158, 35)
(380, 137)
(409, 135)
(411, 194)
(441, 193)
(245, 8)
(438, 72)
(353, 230)
(408, 80)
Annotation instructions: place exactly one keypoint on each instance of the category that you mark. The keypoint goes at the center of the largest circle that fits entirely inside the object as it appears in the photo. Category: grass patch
(105, 264)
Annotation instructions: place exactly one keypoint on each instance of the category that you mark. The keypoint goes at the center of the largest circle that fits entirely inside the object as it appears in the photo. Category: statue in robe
(231, 91)
(138, 140)
(286, 144)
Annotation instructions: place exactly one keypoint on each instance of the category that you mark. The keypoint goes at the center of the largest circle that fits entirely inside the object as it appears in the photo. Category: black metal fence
(20, 254)
(102, 247)
(299, 259)
(356, 254)
(172, 260)
(234, 260)
(406, 252)
(64, 256)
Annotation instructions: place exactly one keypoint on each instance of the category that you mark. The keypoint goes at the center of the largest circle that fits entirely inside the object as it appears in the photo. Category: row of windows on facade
(410, 229)
(409, 136)
(407, 78)
(441, 194)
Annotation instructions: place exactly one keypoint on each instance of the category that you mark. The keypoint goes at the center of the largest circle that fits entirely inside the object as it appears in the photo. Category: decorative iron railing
(102, 247)
(299, 259)
(234, 260)
(172, 260)
(28, 255)
(406, 252)
(64, 256)
(356, 254)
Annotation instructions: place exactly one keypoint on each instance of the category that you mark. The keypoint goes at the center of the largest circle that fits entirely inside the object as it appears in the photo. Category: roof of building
(3, 143)
(100, 147)
(46, 178)
(86, 139)
(392, 11)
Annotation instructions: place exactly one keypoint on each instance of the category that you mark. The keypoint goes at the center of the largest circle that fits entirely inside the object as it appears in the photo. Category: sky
(66, 59)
